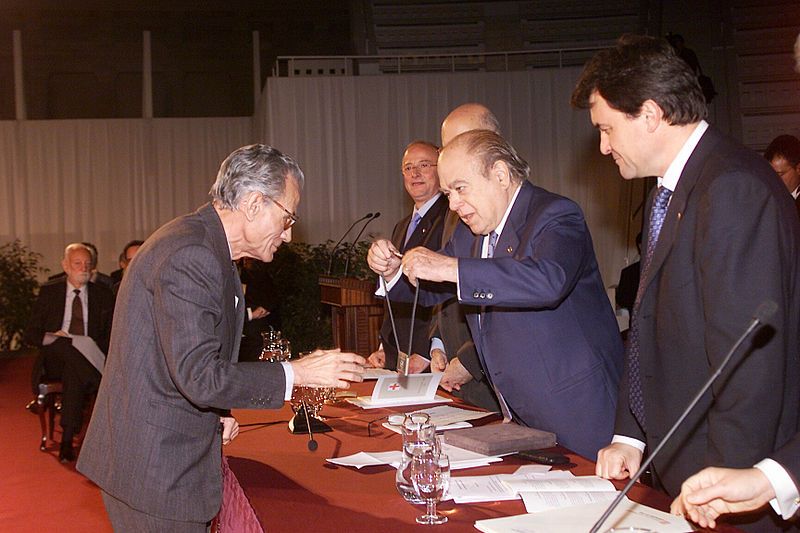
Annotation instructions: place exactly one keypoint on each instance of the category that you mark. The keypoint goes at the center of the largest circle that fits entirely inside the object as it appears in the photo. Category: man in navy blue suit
(523, 260)
(722, 236)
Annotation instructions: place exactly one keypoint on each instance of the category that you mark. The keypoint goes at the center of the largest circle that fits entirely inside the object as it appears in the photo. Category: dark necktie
(412, 226)
(76, 323)
(635, 396)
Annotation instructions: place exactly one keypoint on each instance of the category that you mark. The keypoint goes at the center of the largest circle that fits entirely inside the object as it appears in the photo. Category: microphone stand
(765, 310)
(335, 246)
(353, 244)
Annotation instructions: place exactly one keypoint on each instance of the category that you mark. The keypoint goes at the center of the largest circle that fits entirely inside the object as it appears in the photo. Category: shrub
(19, 268)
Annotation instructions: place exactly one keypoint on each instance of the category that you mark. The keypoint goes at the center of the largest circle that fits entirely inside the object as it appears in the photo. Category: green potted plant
(19, 268)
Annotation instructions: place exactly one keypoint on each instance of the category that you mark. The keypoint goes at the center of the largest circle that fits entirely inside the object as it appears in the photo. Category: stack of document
(397, 390)
(459, 458)
(580, 519)
(446, 417)
(498, 487)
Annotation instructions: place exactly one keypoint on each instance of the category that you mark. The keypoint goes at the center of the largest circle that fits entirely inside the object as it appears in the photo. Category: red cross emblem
(394, 386)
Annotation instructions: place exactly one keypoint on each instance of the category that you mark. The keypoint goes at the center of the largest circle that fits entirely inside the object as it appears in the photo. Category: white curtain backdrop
(109, 181)
(106, 181)
(349, 134)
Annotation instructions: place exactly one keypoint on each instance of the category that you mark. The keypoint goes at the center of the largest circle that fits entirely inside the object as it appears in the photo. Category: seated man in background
(67, 307)
(783, 154)
(125, 259)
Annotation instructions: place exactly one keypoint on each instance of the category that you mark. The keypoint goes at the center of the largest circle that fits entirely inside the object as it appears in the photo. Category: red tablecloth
(293, 489)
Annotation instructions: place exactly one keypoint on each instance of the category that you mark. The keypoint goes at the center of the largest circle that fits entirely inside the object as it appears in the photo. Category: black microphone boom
(353, 244)
(764, 311)
(335, 246)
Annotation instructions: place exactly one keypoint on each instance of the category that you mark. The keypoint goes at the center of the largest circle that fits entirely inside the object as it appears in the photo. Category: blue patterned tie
(491, 245)
(635, 396)
(412, 226)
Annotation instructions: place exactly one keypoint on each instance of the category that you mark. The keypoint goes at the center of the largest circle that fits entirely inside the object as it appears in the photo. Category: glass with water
(419, 436)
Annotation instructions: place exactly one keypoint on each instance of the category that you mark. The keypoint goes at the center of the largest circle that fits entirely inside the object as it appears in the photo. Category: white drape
(106, 181)
(109, 181)
(349, 134)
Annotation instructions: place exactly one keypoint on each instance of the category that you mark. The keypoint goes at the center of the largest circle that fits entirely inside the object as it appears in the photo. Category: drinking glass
(419, 436)
(430, 473)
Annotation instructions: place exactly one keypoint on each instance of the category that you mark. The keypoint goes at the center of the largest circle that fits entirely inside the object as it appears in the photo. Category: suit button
(476, 294)
(483, 295)
(490, 295)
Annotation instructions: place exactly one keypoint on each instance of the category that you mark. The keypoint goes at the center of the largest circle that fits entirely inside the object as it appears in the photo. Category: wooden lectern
(356, 313)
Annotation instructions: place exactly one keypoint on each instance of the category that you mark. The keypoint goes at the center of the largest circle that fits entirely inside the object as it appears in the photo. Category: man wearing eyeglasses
(422, 227)
(154, 442)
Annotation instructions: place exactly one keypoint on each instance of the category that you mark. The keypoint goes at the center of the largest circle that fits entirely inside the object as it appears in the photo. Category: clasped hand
(418, 263)
(328, 368)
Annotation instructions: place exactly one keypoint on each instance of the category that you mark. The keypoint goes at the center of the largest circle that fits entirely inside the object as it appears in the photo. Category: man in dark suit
(58, 315)
(125, 258)
(783, 154)
(721, 238)
(540, 318)
(154, 441)
(463, 374)
(422, 227)
(716, 491)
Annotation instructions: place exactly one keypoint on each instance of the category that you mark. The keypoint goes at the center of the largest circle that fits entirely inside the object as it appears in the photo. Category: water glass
(430, 473)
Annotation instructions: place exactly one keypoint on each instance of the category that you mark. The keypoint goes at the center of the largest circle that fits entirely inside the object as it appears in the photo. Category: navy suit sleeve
(542, 273)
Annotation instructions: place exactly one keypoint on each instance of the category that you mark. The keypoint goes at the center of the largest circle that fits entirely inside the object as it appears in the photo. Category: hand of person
(259, 312)
(61, 333)
(455, 375)
(230, 428)
(328, 368)
(438, 360)
(417, 364)
(421, 263)
(618, 461)
(715, 491)
(377, 359)
(383, 258)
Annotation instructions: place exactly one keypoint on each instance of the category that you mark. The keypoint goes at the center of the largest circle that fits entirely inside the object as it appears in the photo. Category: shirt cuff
(436, 344)
(388, 284)
(249, 314)
(787, 499)
(288, 373)
(630, 441)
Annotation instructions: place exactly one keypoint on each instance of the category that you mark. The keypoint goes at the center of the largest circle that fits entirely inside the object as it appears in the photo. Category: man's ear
(652, 114)
(501, 174)
(251, 205)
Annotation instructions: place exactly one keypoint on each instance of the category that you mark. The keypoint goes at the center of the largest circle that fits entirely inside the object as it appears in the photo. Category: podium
(356, 314)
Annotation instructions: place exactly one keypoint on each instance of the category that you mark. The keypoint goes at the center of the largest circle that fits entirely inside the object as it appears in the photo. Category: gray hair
(78, 246)
(258, 168)
(487, 147)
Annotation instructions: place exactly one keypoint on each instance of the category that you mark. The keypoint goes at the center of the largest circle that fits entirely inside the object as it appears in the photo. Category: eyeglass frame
(292, 217)
(419, 166)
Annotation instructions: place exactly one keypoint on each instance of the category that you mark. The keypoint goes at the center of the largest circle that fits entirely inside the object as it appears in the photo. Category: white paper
(580, 519)
(574, 484)
(474, 489)
(536, 502)
(375, 373)
(459, 458)
(366, 402)
(457, 425)
(89, 350)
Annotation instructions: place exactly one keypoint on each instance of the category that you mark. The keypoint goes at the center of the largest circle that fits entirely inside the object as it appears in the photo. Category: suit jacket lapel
(677, 204)
(232, 286)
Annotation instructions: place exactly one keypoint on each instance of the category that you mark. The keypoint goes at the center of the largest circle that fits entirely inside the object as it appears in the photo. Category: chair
(48, 402)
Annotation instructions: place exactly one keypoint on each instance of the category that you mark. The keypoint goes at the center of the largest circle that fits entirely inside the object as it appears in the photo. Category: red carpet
(37, 493)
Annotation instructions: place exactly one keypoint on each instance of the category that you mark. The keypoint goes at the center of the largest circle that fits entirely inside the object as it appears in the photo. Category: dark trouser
(126, 519)
(80, 379)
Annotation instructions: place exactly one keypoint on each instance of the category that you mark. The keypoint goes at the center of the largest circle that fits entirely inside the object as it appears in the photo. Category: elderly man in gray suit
(154, 441)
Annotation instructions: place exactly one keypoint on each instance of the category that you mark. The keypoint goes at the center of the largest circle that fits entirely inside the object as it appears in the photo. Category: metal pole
(19, 86)
(256, 69)
(147, 76)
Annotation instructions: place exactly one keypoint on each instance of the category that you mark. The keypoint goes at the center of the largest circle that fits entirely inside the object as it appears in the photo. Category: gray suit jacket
(154, 440)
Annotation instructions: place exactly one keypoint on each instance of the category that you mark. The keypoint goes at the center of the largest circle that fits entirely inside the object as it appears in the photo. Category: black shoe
(33, 407)
(66, 454)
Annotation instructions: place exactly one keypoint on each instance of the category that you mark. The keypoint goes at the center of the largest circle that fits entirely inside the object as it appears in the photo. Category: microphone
(764, 311)
(312, 444)
(333, 251)
(353, 244)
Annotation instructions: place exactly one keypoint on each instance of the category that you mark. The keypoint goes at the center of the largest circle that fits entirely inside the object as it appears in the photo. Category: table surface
(294, 489)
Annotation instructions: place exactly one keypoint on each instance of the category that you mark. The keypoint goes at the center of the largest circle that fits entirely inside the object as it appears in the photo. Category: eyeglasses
(290, 219)
(422, 166)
